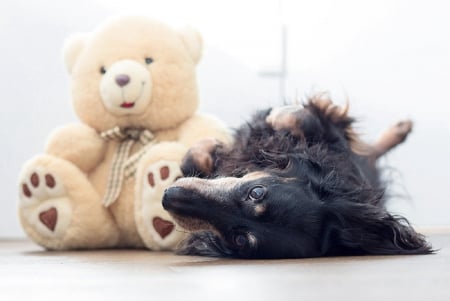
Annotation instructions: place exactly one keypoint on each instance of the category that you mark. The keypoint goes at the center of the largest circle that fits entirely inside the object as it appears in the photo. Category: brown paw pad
(162, 226)
(49, 218)
(26, 191)
(35, 181)
(151, 179)
(50, 181)
(164, 174)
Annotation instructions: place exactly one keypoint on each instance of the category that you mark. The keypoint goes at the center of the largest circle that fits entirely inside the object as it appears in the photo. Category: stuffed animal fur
(100, 183)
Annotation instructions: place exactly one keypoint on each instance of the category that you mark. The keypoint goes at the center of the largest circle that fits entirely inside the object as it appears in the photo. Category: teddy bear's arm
(202, 126)
(78, 144)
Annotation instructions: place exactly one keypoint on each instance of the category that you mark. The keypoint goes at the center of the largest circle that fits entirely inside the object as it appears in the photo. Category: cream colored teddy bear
(100, 183)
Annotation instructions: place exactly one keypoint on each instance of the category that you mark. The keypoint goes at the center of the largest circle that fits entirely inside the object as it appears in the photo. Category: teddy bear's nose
(122, 79)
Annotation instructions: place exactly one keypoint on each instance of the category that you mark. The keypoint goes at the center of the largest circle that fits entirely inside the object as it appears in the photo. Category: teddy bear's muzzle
(126, 88)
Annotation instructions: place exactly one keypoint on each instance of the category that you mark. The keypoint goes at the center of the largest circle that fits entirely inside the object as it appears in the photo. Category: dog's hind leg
(390, 138)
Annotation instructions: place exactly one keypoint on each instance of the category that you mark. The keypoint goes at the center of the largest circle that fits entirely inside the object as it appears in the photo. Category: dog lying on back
(297, 182)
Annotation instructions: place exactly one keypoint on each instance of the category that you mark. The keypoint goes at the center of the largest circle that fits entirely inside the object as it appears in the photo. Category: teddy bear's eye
(102, 70)
(148, 60)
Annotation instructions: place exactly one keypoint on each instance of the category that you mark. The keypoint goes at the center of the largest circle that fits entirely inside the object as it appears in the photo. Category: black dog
(297, 182)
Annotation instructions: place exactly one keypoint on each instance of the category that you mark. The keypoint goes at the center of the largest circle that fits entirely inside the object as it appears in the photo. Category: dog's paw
(284, 118)
(391, 137)
(299, 121)
(402, 129)
(330, 110)
(199, 160)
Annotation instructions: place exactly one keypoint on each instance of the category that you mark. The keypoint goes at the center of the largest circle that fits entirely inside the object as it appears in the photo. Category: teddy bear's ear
(193, 42)
(72, 48)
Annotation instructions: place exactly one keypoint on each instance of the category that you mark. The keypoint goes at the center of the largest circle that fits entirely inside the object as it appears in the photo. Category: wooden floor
(29, 273)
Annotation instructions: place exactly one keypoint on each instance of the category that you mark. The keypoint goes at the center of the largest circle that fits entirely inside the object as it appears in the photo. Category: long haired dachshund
(297, 182)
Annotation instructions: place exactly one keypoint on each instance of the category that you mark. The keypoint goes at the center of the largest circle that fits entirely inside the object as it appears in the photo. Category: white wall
(391, 58)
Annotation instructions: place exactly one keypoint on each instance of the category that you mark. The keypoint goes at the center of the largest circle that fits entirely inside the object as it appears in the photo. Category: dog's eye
(148, 60)
(257, 193)
(240, 240)
(102, 70)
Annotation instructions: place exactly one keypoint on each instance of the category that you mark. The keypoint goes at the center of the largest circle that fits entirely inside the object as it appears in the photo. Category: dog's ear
(204, 243)
(356, 228)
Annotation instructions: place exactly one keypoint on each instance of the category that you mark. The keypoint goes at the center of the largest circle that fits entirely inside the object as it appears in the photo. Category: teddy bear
(99, 183)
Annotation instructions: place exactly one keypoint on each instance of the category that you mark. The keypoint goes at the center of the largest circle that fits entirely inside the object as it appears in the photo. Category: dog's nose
(178, 197)
(122, 80)
(172, 194)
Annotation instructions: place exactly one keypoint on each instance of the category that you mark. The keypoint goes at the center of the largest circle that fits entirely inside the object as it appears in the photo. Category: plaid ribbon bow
(123, 166)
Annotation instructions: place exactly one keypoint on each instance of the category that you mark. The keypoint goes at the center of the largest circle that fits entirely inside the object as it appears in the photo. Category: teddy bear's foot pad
(44, 203)
(60, 209)
(162, 226)
(154, 224)
(164, 174)
(49, 218)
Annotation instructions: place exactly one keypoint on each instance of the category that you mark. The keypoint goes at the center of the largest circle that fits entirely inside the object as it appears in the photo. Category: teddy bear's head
(134, 72)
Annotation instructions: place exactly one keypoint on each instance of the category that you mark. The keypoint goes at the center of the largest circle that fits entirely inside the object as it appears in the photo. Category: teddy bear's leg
(157, 170)
(59, 208)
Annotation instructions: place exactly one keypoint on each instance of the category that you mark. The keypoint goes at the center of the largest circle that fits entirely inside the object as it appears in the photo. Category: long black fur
(321, 198)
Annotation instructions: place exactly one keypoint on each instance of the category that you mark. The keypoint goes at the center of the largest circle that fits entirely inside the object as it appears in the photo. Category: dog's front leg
(300, 122)
(201, 158)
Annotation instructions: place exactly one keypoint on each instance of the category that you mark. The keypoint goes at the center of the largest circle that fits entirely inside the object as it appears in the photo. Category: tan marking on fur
(207, 144)
(201, 153)
(193, 224)
(190, 183)
(321, 100)
(207, 187)
(335, 112)
(391, 137)
(332, 111)
(357, 145)
(255, 175)
(260, 209)
(198, 184)
(283, 117)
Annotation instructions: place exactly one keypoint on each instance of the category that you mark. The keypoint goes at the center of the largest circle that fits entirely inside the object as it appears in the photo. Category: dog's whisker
(183, 230)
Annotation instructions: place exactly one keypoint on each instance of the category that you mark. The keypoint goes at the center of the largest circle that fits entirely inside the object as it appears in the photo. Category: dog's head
(300, 210)
(259, 215)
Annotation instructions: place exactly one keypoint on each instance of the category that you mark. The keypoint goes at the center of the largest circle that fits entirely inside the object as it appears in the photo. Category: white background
(391, 59)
